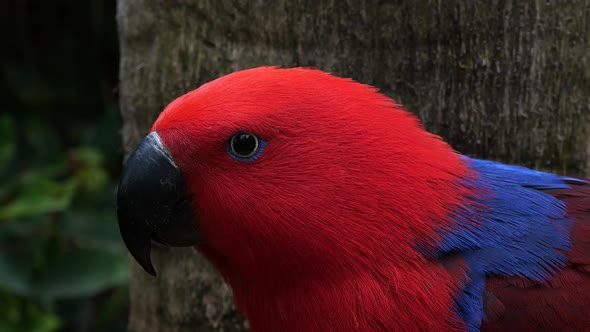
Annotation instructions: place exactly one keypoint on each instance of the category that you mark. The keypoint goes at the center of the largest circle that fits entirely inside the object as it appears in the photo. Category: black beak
(152, 202)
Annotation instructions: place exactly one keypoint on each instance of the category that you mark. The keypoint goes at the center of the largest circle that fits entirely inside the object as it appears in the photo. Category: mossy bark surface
(504, 80)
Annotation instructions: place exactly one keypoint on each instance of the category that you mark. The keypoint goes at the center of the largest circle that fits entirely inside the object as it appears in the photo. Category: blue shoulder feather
(521, 231)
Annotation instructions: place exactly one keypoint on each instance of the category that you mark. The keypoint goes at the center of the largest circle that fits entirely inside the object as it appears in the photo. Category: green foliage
(58, 235)
(82, 273)
(63, 266)
(22, 315)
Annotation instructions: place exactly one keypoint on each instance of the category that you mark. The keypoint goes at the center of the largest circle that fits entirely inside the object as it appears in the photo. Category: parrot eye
(245, 146)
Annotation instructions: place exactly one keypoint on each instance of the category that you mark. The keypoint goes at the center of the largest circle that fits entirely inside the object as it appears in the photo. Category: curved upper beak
(153, 204)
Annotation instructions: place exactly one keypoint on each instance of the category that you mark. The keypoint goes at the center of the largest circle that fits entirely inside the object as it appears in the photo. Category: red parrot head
(281, 172)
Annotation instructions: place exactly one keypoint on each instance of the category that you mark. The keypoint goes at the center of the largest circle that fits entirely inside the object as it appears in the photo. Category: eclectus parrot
(327, 207)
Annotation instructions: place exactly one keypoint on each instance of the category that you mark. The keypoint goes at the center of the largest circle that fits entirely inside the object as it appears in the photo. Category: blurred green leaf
(92, 179)
(43, 139)
(44, 322)
(39, 195)
(8, 187)
(22, 227)
(105, 134)
(118, 300)
(87, 156)
(19, 315)
(7, 140)
(83, 273)
(29, 177)
(89, 169)
(93, 230)
(15, 274)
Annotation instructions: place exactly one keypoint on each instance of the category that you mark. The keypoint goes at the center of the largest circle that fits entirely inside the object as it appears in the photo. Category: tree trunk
(506, 80)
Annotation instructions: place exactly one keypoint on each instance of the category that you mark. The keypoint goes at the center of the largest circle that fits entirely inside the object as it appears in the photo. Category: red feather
(563, 303)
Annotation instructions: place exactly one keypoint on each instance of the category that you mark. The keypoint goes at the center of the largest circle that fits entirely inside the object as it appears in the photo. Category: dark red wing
(562, 304)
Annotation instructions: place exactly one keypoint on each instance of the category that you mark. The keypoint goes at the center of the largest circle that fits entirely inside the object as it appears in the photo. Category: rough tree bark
(508, 80)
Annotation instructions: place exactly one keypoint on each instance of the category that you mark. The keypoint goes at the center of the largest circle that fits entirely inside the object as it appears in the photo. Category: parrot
(326, 206)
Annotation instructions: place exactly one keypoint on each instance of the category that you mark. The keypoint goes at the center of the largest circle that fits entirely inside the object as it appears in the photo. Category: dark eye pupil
(244, 145)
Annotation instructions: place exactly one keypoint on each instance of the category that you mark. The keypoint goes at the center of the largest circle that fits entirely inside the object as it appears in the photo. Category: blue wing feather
(521, 231)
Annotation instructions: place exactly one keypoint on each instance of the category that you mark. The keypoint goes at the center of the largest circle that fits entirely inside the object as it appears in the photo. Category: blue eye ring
(245, 146)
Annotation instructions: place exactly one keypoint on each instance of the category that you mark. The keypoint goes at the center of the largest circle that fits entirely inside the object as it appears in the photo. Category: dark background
(62, 264)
